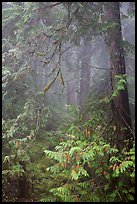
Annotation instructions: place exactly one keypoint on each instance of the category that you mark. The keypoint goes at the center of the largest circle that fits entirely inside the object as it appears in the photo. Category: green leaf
(85, 156)
(74, 175)
(115, 93)
(120, 87)
(6, 159)
(77, 149)
(114, 159)
(117, 170)
(82, 171)
(113, 150)
(132, 175)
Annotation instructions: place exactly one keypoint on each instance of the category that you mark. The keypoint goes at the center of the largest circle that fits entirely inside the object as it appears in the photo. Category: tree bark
(85, 73)
(120, 103)
(71, 93)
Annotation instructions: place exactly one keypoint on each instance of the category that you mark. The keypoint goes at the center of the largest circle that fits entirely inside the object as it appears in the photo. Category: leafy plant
(77, 161)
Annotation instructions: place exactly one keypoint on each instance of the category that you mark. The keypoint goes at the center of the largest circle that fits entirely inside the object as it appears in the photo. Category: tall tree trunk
(71, 93)
(73, 76)
(85, 73)
(120, 106)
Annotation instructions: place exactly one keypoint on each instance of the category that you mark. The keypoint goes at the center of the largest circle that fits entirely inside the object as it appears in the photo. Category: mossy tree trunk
(120, 103)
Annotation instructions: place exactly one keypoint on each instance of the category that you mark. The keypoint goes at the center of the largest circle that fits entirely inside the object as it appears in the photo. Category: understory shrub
(91, 169)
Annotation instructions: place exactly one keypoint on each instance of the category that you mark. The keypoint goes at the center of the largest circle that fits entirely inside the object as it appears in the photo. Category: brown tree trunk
(120, 103)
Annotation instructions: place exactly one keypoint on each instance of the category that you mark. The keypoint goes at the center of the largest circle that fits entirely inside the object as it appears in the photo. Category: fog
(68, 75)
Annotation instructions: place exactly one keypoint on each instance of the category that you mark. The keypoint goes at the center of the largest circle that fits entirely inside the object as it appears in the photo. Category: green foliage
(19, 132)
(120, 85)
(79, 160)
(121, 81)
(80, 164)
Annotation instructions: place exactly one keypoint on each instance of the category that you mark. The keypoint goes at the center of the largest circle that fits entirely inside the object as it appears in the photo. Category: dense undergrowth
(90, 168)
(72, 161)
(54, 154)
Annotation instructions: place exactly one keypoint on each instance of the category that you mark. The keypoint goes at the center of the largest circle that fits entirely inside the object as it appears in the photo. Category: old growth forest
(68, 101)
